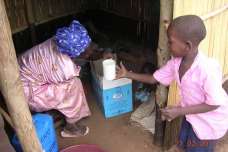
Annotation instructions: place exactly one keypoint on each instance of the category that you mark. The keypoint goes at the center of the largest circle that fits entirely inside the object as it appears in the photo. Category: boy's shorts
(189, 142)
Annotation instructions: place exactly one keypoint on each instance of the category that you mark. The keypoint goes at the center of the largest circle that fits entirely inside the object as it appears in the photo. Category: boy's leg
(182, 140)
(194, 144)
(183, 136)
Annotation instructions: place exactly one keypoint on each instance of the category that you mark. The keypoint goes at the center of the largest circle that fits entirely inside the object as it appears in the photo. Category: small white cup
(109, 69)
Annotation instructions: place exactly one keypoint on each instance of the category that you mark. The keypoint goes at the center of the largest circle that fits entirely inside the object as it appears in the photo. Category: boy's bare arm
(122, 72)
(200, 108)
(173, 112)
(146, 78)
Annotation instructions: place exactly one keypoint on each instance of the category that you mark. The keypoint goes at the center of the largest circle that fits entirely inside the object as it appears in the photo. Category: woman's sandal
(72, 134)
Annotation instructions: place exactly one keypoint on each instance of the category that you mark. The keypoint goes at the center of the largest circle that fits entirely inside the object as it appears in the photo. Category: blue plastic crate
(113, 101)
(45, 131)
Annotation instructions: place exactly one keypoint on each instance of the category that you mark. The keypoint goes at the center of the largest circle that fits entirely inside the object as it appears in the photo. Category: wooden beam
(30, 17)
(172, 131)
(166, 13)
(12, 90)
(4, 144)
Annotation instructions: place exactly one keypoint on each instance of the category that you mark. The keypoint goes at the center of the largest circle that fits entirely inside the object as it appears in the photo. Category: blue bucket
(45, 131)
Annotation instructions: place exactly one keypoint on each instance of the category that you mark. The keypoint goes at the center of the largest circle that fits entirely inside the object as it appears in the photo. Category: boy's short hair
(189, 28)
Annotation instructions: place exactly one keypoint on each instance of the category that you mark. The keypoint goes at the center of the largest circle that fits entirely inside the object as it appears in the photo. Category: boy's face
(176, 45)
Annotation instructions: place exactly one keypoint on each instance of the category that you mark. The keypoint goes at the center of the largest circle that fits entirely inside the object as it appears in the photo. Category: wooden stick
(30, 17)
(214, 13)
(6, 116)
(166, 11)
(12, 90)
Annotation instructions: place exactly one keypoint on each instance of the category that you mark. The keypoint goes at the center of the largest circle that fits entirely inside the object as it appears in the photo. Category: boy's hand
(170, 113)
(121, 71)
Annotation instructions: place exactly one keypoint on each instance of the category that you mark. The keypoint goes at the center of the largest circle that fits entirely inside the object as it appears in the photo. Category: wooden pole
(12, 90)
(166, 11)
(171, 135)
(30, 17)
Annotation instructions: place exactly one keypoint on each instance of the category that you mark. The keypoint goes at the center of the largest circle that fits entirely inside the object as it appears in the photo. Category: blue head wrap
(72, 40)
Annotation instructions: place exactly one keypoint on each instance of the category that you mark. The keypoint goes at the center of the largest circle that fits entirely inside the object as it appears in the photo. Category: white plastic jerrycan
(109, 69)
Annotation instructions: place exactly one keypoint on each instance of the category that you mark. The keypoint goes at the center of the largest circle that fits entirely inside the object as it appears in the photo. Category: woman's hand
(107, 55)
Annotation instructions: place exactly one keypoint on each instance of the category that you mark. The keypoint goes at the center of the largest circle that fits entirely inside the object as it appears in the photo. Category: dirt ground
(116, 134)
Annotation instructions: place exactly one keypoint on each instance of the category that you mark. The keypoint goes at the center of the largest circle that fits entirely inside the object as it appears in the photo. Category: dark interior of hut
(132, 31)
(129, 30)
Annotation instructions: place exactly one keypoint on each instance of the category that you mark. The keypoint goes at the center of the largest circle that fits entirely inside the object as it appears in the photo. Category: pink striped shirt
(202, 83)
